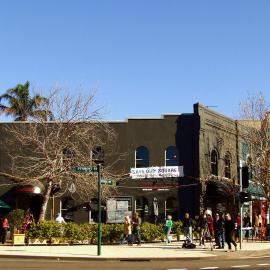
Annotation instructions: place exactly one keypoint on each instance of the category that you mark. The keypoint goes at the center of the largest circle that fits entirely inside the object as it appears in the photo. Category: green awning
(256, 191)
(4, 205)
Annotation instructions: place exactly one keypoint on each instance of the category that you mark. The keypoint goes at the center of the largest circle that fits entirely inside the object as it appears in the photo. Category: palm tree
(21, 105)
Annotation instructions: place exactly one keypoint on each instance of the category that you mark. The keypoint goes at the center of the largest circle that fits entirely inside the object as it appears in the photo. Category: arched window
(214, 162)
(68, 156)
(227, 165)
(141, 157)
(98, 155)
(171, 156)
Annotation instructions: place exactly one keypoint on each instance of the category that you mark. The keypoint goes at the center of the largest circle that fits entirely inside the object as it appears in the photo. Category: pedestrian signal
(244, 197)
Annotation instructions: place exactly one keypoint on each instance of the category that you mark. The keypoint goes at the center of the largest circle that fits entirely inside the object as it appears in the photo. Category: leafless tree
(45, 150)
(255, 130)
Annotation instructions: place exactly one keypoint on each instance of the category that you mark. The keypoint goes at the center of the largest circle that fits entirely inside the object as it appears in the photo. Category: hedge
(87, 233)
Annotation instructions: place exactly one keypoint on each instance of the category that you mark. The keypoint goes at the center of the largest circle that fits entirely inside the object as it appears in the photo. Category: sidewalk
(122, 252)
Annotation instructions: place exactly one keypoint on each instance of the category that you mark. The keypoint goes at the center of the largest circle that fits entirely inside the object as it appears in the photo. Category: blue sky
(144, 57)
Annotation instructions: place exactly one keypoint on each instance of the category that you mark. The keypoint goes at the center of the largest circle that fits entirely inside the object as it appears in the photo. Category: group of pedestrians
(221, 228)
(132, 229)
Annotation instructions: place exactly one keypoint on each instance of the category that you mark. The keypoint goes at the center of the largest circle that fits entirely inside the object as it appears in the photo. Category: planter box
(36, 241)
(18, 239)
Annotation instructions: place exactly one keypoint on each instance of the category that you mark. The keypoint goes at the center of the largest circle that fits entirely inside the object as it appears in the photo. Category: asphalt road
(257, 263)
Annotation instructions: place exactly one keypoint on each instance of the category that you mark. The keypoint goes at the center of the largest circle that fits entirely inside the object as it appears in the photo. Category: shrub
(178, 228)
(151, 232)
(45, 230)
(72, 232)
(111, 233)
(115, 232)
(16, 219)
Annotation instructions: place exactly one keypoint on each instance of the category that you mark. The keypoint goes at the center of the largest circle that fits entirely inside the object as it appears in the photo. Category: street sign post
(99, 209)
(94, 169)
(84, 169)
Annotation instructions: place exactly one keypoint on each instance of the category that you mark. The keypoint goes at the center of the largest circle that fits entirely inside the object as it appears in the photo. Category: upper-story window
(141, 157)
(214, 162)
(171, 156)
(98, 155)
(227, 165)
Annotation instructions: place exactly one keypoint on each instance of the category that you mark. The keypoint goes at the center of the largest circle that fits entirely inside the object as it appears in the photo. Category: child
(127, 231)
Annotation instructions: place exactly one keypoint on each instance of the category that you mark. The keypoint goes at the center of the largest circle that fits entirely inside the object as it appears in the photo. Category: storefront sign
(157, 172)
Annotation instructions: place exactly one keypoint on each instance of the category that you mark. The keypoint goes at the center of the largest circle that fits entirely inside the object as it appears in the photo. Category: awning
(220, 188)
(256, 191)
(4, 205)
(27, 189)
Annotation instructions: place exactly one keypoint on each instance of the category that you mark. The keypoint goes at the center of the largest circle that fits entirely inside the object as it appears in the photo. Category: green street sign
(107, 182)
(83, 169)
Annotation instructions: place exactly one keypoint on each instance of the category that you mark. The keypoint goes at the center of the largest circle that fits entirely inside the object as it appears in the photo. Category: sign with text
(107, 182)
(157, 172)
(83, 169)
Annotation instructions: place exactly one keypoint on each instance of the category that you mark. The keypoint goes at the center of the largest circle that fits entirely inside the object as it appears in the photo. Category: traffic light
(244, 197)
(245, 176)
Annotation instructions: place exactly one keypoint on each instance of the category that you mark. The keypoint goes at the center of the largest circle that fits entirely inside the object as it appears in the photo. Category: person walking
(219, 231)
(256, 225)
(229, 231)
(136, 228)
(247, 225)
(28, 220)
(168, 228)
(5, 228)
(187, 225)
(237, 226)
(202, 228)
(127, 231)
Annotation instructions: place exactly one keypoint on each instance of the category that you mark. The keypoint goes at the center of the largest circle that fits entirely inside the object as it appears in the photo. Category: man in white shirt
(60, 219)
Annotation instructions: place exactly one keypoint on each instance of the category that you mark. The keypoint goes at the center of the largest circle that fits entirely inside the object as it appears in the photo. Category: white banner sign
(157, 172)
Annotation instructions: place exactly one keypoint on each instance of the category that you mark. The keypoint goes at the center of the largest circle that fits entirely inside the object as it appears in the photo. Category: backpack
(188, 245)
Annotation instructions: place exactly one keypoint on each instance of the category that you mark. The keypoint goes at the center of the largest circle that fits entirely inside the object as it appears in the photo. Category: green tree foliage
(18, 103)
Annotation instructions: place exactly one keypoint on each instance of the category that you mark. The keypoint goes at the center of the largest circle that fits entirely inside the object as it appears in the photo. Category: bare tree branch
(47, 150)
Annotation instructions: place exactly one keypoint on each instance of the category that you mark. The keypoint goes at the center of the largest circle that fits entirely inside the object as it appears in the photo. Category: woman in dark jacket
(229, 227)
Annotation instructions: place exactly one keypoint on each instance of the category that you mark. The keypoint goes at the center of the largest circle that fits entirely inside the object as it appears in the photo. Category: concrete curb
(120, 259)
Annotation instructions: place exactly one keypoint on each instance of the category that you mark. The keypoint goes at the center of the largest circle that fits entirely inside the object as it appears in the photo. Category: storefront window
(67, 211)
